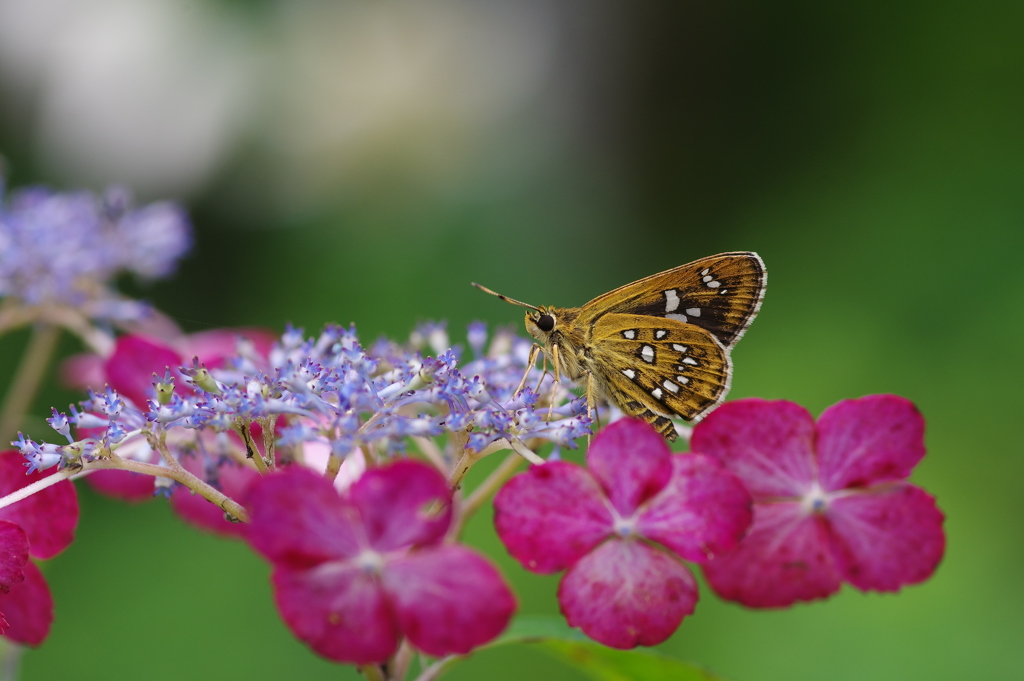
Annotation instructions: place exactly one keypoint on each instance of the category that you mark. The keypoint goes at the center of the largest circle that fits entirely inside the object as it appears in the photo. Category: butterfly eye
(545, 322)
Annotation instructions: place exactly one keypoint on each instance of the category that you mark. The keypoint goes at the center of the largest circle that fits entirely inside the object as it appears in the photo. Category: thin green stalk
(372, 672)
(440, 667)
(399, 664)
(470, 457)
(482, 493)
(12, 653)
(193, 482)
(486, 489)
(27, 378)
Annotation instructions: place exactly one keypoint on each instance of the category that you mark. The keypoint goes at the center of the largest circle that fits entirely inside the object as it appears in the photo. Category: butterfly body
(657, 348)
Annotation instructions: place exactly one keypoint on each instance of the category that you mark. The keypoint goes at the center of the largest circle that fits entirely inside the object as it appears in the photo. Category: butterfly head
(540, 322)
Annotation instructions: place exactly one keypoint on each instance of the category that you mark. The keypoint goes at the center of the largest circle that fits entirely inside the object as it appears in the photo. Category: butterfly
(657, 348)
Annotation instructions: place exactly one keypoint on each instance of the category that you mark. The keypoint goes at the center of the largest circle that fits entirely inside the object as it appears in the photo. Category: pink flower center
(370, 562)
(624, 527)
(816, 500)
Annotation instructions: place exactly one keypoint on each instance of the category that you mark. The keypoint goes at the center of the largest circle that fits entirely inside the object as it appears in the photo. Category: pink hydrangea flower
(831, 501)
(40, 526)
(354, 572)
(622, 529)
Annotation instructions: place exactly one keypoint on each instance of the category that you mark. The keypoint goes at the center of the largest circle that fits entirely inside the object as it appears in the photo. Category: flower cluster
(327, 392)
(65, 248)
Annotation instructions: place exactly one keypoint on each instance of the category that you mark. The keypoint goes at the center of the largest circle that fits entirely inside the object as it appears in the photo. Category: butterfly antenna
(505, 298)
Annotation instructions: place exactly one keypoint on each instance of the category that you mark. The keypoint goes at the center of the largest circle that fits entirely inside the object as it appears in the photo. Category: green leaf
(554, 636)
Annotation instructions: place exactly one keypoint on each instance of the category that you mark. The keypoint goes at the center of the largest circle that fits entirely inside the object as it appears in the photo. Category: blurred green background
(363, 162)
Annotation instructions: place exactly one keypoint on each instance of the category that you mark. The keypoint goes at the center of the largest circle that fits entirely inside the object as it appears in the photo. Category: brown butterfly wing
(655, 368)
(721, 293)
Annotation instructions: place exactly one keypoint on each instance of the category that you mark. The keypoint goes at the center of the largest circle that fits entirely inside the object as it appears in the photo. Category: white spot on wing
(714, 284)
(693, 311)
(679, 348)
(660, 333)
(689, 360)
(677, 317)
(670, 386)
(656, 393)
(682, 379)
(708, 278)
(705, 271)
(630, 334)
(629, 373)
(647, 352)
(671, 300)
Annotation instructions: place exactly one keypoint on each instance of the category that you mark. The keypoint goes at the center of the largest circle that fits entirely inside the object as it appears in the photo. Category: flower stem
(176, 473)
(12, 653)
(433, 453)
(251, 451)
(372, 672)
(435, 670)
(490, 485)
(481, 494)
(400, 662)
(470, 457)
(97, 340)
(26, 381)
(37, 486)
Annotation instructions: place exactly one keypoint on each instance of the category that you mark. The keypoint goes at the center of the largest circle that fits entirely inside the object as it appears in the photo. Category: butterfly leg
(592, 413)
(529, 365)
(592, 404)
(558, 380)
(543, 372)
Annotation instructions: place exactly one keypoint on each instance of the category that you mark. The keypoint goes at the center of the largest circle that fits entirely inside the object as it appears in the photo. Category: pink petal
(232, 479)
(28, 608)
(84, 370)
(123, 485)
(785, 558)
(48, 517)
(631, 461)
(339, 609)
(551, 515)
(130, 369)
(769, 444)
(626, 593)
(403, 504)
(449, 599)
(887, 536)
(215, 346)
(704, 510)
(871, 439)
(13, 555)
(298, 520)
(315, 455)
